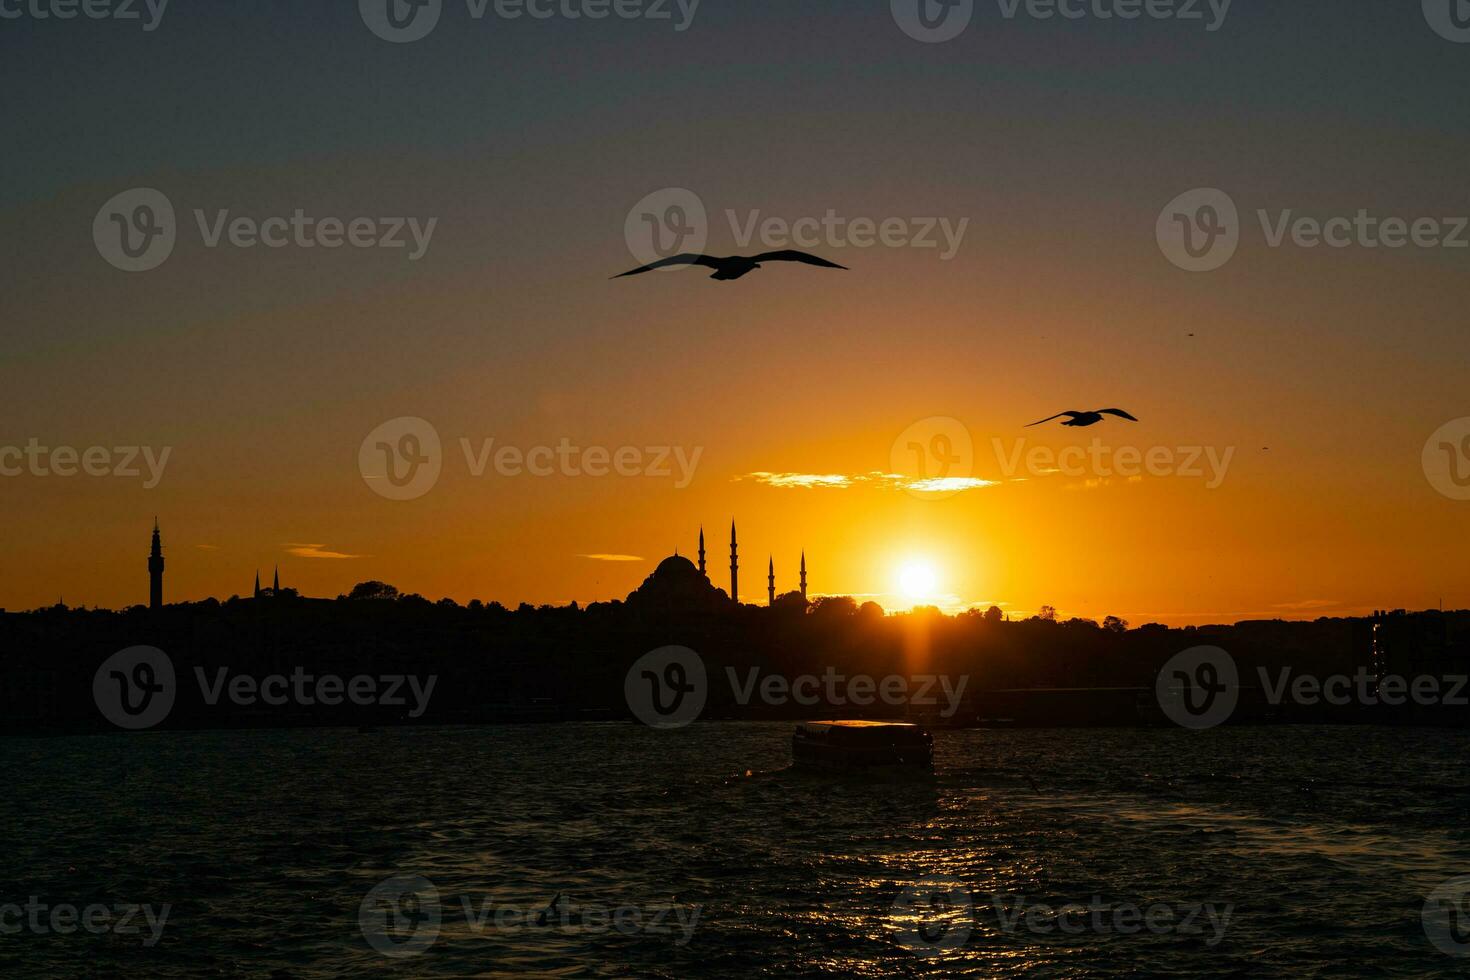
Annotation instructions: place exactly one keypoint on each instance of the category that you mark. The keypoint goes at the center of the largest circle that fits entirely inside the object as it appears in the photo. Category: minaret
(803, 574)
(734, 567)
(257, 584)
(155, 571)
(771, 581)
(701, 552)
(276, 584)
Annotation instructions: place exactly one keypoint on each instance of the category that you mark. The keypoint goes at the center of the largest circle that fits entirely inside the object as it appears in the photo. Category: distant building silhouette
(677, 583)
(275, 588)
(155, 571)
(734, 566)
(676, 586)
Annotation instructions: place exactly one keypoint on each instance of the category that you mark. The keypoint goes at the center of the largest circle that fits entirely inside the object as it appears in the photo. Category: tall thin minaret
(155, 571)
(734, 566)
(701, 552)
(803, 574)
(256, 594)
(276, 583)
(771, 581)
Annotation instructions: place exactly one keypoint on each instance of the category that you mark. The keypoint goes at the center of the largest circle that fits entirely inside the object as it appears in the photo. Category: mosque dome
(677, 584)
(676, 566)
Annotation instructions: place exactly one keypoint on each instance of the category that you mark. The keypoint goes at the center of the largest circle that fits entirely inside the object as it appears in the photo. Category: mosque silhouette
(677, 583)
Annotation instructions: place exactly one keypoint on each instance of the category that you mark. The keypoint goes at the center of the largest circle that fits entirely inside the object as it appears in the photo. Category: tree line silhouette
(546, 663)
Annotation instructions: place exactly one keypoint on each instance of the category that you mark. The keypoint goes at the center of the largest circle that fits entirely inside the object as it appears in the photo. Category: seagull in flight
(1084, 419)
(734, 266)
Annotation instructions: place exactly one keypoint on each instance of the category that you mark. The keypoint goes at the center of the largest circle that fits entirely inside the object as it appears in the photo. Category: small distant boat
(862, 745)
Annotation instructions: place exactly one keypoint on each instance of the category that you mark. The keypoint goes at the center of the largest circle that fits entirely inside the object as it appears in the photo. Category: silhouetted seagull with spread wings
(734, 266)
(1084, 419)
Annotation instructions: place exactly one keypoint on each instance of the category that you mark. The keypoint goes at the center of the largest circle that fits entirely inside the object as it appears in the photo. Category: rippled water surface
(1321, 843)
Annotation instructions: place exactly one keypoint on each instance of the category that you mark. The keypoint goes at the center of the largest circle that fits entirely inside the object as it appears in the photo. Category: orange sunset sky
(1324, 371)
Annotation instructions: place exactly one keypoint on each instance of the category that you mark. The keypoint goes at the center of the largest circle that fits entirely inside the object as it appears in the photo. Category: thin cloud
(1308, 604)
(888, 481)
(801, 480)
(315, 551)
(614, 557)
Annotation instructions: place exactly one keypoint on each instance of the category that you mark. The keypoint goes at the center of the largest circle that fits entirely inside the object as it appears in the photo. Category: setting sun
(917, 579)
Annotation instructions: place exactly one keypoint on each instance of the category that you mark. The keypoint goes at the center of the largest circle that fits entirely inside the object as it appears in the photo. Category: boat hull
(862, 747)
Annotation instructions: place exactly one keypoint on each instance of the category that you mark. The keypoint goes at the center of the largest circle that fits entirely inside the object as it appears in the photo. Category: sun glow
(918, 580)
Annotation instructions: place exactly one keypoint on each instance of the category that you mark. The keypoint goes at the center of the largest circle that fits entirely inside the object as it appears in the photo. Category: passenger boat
(862, 745)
